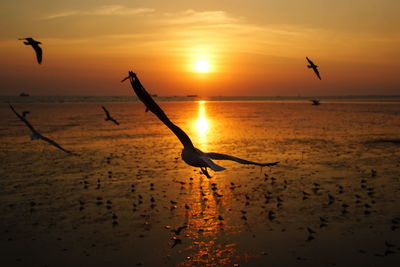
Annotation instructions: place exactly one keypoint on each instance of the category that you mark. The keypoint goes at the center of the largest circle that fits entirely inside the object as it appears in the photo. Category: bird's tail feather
(212, 165)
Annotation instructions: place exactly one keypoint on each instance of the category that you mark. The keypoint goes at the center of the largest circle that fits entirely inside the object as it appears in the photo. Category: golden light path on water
(202, 125)
(206, 225)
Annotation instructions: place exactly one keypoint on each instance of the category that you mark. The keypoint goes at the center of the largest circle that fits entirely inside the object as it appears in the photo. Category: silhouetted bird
(108, 116)
(191, 155)
(36, 135)
(314, 67)
(311, 231)
(315, 102)
(36, 47)
(178, 230)
(24, 113)
(176, 241)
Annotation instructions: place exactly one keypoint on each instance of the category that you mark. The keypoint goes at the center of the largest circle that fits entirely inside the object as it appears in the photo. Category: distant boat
(191, 96)
(23, 94)
(315, 102)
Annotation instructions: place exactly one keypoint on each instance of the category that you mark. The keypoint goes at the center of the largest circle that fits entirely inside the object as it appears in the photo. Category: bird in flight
(190, 154)
(36, 135)
(25, 113)
(36, 47)
(108, 116)
(314, 67)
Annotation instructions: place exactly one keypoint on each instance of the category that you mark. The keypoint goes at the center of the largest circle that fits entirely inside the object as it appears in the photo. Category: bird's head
(131, 75)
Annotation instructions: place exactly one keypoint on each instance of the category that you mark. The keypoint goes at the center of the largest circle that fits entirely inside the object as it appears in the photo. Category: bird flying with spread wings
(108, 116)
(36, 135)
(36, 47)
(314, 67)
(190, 154)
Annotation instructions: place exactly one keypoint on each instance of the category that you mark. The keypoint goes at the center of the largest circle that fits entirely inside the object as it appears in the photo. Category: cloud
(204, 18)
(109, 10)
(118, 10)
(182, 32)
(61, 15)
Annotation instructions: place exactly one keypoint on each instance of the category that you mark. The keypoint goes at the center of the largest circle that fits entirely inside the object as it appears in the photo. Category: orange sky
(253, 47)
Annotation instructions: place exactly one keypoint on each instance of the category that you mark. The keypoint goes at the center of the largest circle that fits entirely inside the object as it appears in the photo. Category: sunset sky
(250, 48)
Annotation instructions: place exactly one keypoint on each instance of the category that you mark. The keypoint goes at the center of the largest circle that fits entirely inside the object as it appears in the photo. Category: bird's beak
(124, 79)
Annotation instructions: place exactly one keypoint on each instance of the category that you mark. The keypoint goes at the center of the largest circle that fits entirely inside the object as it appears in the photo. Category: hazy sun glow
(202, 65)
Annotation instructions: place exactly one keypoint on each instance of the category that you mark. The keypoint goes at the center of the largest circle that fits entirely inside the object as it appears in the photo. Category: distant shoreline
(93, 99)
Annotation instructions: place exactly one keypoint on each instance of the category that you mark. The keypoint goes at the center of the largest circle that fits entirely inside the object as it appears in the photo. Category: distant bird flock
(190, 154)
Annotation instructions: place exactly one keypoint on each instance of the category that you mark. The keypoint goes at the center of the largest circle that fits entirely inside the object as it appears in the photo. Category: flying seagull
(191, 155)
(36, 47)
(108, 116)
(36, 135)
(314, 67)
(315, 102)
(24, 113)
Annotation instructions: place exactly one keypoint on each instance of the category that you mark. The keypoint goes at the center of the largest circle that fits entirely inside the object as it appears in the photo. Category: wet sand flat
(332, 200)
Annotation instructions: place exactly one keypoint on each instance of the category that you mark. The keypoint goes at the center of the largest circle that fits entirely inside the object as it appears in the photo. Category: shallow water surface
(332, 200)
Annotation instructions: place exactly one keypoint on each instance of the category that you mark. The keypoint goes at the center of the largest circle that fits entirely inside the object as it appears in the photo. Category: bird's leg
(205, 172)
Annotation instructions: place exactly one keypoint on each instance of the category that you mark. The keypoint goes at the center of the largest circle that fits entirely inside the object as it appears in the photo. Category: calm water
(116, 202)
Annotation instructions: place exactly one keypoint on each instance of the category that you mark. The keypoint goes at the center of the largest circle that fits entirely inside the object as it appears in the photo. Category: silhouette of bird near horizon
(108, 116)
(190, 154)
(315, 102)
(314, 67)
(36, 47)
(36, 135)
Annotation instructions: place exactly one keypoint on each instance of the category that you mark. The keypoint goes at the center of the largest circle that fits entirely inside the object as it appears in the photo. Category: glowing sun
(202, 66)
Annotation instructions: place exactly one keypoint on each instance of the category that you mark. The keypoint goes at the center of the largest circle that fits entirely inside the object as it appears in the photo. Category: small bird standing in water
(314, 67)
(36, 47)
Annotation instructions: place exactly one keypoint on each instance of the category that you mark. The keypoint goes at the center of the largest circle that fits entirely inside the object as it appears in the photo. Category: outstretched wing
(151, 105)
(219, 156)
(23, 119)
(48, 140)
(317, 73)
(309, 61)
(114, 121)
(106, 111)
(38, 52)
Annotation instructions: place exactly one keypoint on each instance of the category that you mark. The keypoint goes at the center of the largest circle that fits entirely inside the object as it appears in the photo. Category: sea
(126, 198)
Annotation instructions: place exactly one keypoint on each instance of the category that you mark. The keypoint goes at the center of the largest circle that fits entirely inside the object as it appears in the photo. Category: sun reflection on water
(207, 228)
(202, 125)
